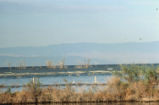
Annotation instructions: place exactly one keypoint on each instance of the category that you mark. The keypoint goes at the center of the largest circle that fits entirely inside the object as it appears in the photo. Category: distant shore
(64, 70)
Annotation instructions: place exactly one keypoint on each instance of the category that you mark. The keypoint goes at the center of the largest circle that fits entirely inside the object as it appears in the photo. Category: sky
(48, 22)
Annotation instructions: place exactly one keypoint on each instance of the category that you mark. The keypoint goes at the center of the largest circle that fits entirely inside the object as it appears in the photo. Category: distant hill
(78, 53)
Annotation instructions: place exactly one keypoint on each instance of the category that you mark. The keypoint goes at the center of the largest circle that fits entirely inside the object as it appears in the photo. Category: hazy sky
(45, 22)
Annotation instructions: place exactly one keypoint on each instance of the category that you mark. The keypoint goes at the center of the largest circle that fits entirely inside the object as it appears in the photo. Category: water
(57, 79)
(48, 80)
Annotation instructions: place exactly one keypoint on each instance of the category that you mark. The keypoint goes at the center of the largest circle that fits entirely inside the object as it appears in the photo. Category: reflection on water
(119, 103)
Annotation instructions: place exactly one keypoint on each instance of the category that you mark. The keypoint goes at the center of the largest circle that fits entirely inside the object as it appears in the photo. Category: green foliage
(150, 75)
(129, 73)
(134, 73)
(8, 90)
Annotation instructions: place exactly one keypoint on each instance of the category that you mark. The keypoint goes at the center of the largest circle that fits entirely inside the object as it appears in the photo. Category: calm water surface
(57, 79)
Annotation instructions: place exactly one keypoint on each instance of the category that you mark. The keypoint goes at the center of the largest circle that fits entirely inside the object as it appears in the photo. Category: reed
(49, 64)
(130, 84)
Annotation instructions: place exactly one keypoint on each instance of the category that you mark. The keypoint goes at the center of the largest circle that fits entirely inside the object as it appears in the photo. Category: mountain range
(79, 53)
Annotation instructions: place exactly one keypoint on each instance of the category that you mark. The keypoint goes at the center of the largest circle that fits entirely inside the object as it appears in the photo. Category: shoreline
(87, 102)
(56, 85)
(10, 74)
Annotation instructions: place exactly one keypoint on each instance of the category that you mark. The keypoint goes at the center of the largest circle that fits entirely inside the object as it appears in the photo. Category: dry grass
(115, 91)
(131, 86)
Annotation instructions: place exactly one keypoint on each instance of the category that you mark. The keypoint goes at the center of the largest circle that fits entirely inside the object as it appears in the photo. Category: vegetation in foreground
(132, 83)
